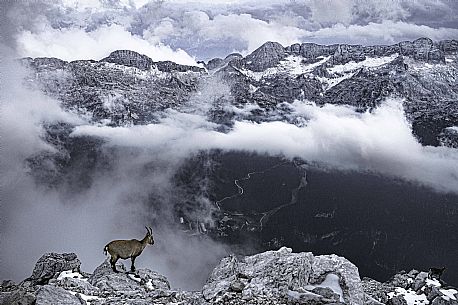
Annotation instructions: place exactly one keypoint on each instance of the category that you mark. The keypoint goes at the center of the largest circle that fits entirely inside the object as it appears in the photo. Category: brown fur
(128, 249)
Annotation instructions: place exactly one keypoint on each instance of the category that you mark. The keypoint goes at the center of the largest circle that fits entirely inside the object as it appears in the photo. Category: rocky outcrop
(414, 287)
(130, 59)
(133, 59)
(52, 263)
(50, 294)
(266, 56)
(272, 277)
(285, 276)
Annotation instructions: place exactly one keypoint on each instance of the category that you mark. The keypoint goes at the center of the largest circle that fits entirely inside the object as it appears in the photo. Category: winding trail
(247, 177)
(266, 215)
(293, 201)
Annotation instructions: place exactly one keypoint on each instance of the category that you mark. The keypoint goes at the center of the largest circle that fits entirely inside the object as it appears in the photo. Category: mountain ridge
(271, 277)
(422, 72)
(422, 48)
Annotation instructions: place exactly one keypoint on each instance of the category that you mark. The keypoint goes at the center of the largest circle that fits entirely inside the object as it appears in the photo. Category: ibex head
(149, 236)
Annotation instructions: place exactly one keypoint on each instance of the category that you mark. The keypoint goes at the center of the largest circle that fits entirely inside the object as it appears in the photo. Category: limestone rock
(282, 275)
(51, 264)
(48, 294)
(266, 56)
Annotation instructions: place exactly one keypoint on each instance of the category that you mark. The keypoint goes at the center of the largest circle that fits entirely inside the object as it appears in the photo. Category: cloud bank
(336, 136)
(74, 44)
(181, 31)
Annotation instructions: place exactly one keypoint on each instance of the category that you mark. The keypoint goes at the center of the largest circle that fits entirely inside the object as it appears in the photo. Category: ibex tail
(105, 250)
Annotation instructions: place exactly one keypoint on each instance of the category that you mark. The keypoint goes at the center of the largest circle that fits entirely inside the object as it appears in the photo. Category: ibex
(128, 248)
(435, 273)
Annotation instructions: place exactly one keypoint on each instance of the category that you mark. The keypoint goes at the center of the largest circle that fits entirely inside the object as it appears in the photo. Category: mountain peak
(266, 56)
(129, 58)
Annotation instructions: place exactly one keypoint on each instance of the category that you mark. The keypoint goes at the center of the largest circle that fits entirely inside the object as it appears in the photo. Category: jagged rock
(401, 280)
(152, 279)
(105, 279)
(413, 287)
(443, 301)
(368, 300)
(237, 285)
(129, 88)
(376, 290)
(431, 292)
(48, 294)
(232, 56)
(51, 264)
(327, 293)
(170, 66)
(266, 56)
(77, 285)
(272, 277)
(214, 63)
(130, 59)
(18, 297)
(420, 281)
(282, 274)
(307, 298)
(397, 300)
(142, 282)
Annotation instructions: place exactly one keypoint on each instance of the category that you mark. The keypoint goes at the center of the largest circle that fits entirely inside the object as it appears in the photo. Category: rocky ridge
(272, 277)
(130, 88)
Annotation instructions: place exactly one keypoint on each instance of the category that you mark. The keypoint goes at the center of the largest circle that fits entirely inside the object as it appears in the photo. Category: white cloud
(335, 136)
(75, 43)
(387, 32)
(245, 28)
(339, 11)
(348, 12)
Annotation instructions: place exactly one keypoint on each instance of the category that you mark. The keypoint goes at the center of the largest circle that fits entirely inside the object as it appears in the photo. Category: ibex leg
(132, 267)
(113, 261)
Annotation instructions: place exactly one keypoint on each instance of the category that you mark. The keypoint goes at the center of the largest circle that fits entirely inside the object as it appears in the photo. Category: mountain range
(247, 199)
(422, 72)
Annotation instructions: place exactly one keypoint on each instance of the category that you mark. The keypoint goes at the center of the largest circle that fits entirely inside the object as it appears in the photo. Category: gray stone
(397, 300)
(443, 301)
(277, 274)
(401, 280)
(51, 264)
(237, 285)
(420, 281)
(48, 295)
(266, 56)
(18, 297)
(326, 293)
(431, 292)
(376, 290)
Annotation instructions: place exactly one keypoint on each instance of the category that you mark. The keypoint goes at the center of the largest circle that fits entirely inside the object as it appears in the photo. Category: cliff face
(423, 72)
(273, 277)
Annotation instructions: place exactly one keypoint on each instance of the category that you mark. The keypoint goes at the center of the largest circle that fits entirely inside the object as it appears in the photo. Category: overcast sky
(185, 31)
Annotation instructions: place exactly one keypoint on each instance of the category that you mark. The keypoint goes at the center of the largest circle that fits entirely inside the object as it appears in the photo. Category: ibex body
(435, 273)
(128, 249)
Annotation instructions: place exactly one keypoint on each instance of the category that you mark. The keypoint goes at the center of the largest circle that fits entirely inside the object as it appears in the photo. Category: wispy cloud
(73, 43)
(336, 136)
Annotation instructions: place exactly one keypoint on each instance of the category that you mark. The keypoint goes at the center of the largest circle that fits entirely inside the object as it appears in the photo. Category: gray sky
(186, 31)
